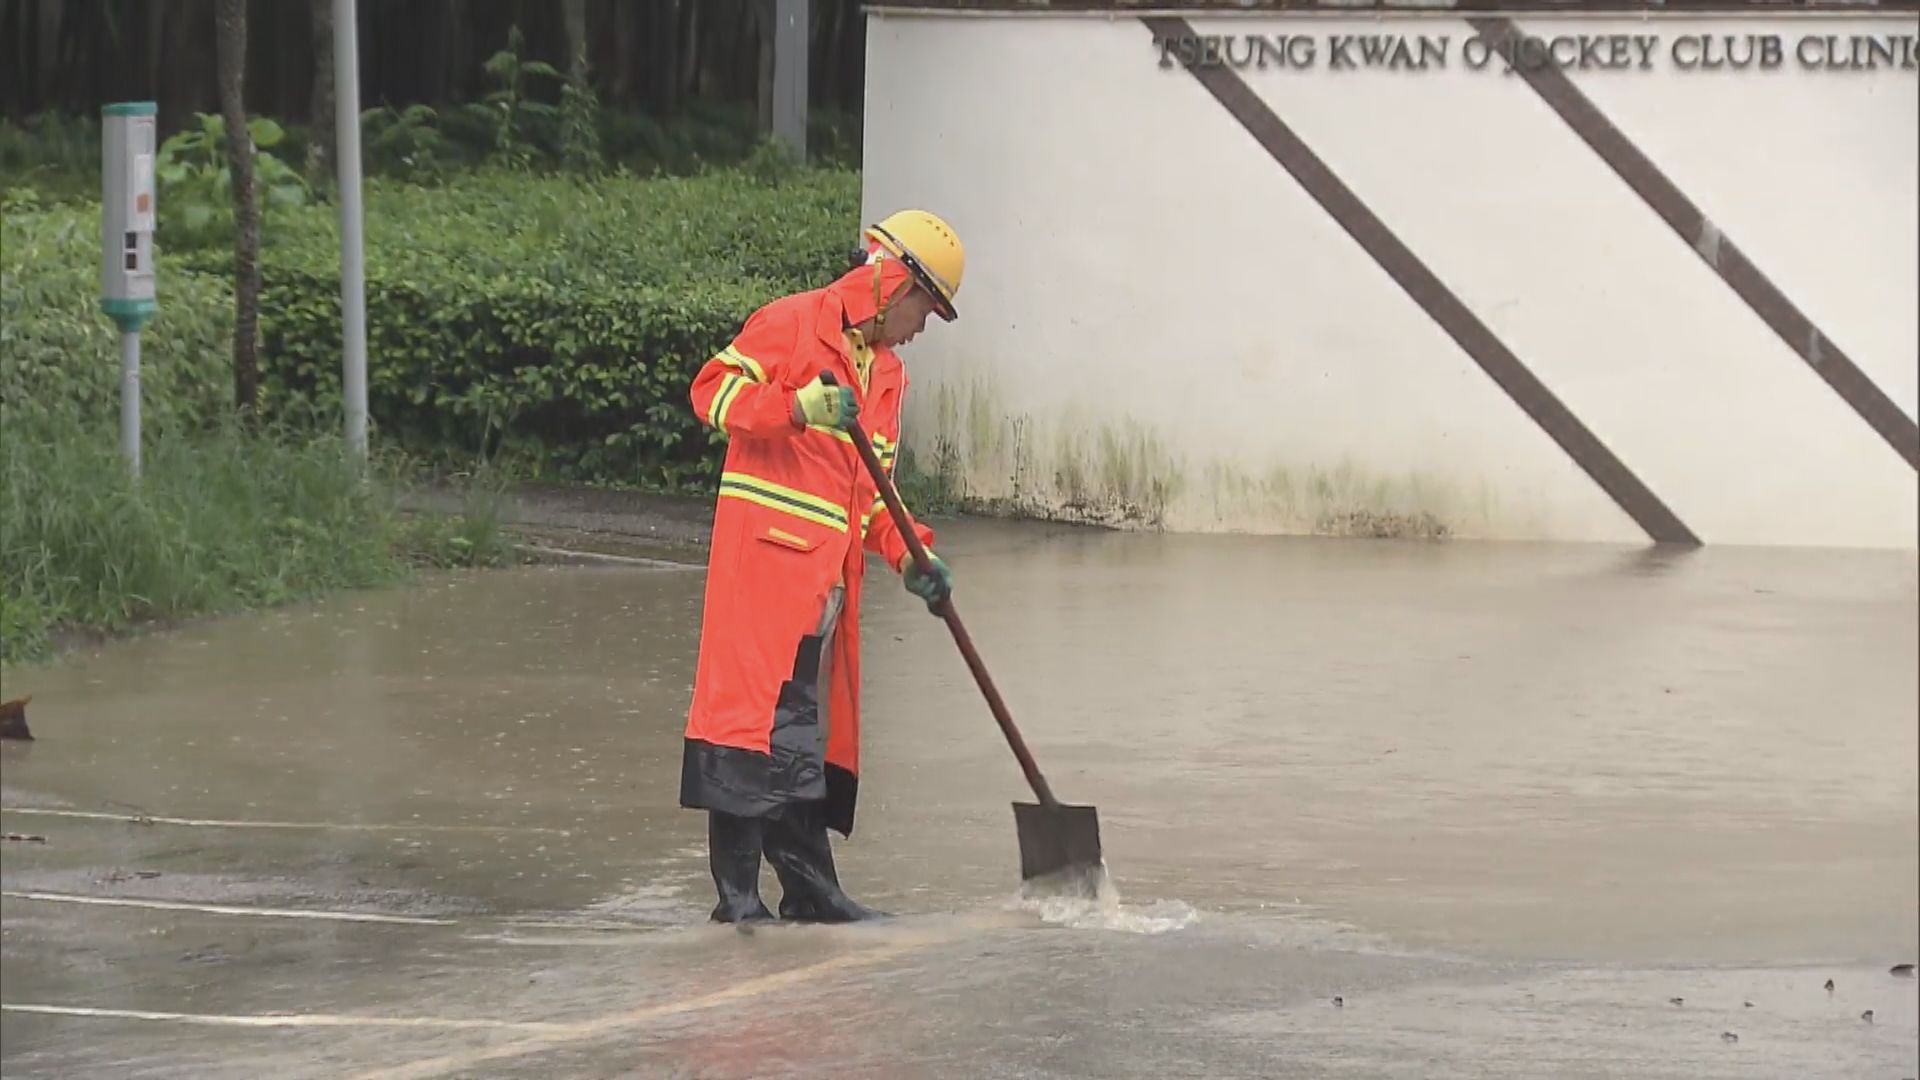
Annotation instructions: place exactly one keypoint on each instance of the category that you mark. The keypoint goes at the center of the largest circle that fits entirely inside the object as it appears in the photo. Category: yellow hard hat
(931, 251)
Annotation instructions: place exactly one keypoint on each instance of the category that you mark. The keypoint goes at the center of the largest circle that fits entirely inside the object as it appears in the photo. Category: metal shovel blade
(1057, 838)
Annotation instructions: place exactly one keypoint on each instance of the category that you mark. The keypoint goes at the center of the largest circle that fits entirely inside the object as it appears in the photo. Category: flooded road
(1506, 802)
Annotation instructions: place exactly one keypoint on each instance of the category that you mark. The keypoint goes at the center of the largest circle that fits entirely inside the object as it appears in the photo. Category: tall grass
(218, 522)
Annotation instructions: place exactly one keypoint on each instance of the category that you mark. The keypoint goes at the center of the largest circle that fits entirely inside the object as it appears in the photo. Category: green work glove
(827, 406)
(933, 587)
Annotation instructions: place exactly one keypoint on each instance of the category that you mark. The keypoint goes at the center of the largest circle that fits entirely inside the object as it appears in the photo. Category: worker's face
(906, 317)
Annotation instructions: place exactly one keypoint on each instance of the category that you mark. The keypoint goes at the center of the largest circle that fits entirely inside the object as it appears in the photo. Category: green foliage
(939, 490)
(471, 537)
(515, 119)
(60, 356)
(554, 322)
(219, 521)
(53, 156)
(57, 157)
(405, 143)
(196, 190)
(580, 150)
(24, 626)
(771, 163)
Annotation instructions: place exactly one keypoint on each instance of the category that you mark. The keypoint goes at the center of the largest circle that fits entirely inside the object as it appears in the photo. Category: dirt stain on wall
(964, 440)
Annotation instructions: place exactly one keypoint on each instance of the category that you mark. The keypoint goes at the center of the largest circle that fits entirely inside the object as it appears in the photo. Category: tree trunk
(320, 110)
(575, 13)
(620, 80)
(663, 51)
(21, 26)
(690, 53)
(231, 47)
(763, 20)
(156, 35)
(45, 52)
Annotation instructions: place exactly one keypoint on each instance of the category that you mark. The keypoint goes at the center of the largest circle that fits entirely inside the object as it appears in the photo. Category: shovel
(1055, 839)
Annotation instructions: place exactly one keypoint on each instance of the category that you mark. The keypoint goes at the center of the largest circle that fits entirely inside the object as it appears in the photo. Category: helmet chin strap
(882, 304)
(878, 258)
(862, 352)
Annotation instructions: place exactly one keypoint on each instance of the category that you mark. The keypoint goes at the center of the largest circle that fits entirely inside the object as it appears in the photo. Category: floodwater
(1507, 803)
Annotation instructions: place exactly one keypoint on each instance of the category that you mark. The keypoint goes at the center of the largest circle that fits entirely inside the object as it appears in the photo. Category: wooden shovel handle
(946, 609)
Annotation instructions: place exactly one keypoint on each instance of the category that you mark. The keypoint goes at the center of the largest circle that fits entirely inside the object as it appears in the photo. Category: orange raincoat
(796, 514)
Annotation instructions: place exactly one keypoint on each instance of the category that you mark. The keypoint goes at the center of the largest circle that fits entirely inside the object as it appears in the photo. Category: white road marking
(598, 941)
(287, 1019)
(222, 909)
(215, 823)
(752, 988)
(465, 1061)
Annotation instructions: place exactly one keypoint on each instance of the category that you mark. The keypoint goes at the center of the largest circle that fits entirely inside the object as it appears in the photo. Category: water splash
(1088, 900)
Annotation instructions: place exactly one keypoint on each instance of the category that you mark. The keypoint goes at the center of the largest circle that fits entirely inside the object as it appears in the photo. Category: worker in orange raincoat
(772, 745)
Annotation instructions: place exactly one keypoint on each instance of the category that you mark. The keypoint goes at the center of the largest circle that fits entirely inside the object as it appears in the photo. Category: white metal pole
(353, 288)
(130, 398)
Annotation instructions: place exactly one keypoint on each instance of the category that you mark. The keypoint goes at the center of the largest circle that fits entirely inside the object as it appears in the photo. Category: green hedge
(60, 356)
(559, 322)
(556, 321)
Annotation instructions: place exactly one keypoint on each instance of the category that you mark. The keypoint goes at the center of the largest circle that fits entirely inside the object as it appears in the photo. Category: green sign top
(129, 108)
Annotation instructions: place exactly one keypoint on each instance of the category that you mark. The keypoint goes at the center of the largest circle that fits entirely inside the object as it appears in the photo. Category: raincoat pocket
(774, 534)
(802, 556)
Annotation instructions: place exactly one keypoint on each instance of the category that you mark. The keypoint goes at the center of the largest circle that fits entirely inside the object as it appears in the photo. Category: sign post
(126, 247)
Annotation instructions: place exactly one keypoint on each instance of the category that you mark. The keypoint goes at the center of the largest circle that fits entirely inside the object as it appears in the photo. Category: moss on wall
(970, 451)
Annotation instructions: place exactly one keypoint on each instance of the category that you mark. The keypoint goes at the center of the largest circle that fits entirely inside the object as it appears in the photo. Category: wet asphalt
(1505, 803)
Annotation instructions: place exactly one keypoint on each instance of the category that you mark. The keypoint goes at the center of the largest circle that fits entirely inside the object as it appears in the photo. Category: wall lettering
(1702, 53)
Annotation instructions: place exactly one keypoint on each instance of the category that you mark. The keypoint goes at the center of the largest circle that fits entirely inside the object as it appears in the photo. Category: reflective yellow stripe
(740, 361)
(866, 522)
(785, 499)
(730, 385)
(835, 432)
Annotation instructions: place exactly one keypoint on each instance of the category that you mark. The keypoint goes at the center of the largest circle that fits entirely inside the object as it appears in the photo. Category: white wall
(1156, 315)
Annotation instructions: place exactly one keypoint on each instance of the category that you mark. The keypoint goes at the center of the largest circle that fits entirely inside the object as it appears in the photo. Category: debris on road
(13, 719)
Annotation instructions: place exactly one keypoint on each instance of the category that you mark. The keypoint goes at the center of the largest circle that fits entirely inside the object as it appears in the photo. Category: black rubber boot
(802, 857)
(733, 849)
